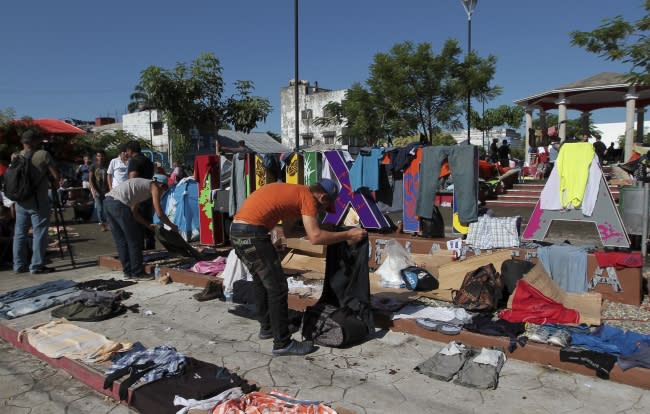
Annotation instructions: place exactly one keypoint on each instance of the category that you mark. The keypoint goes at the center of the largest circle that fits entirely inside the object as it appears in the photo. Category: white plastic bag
(397, 258)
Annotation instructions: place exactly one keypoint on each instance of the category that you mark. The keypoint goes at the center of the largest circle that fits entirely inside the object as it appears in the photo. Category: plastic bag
(397, 258)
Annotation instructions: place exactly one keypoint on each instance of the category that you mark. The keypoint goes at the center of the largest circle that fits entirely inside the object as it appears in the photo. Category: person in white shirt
(117, 171)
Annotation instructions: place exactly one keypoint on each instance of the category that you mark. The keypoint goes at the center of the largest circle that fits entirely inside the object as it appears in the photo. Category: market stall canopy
(51, 126)
(604, 90)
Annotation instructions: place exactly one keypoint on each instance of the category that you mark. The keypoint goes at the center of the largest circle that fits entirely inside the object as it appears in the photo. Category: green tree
(574, 127)
(193, 96)
(502, 115)
(413, 91)
(620, 40)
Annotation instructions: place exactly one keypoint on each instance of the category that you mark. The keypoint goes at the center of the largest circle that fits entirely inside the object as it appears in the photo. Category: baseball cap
(332, 191)
(161, 178)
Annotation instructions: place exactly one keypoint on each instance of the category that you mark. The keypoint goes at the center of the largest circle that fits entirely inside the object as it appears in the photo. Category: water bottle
(228, 296)
(156, 272)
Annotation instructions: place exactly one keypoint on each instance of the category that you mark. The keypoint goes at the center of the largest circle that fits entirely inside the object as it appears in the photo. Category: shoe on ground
(265, 334)
(560, 338)
(268, 333)
(42, 270)
(140, 276)
(213, 290)
(538, 333)
(295, 348)
(19, 271)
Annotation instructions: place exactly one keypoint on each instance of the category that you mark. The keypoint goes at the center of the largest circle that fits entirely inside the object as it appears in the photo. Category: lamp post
(295, 82)
(469, 6)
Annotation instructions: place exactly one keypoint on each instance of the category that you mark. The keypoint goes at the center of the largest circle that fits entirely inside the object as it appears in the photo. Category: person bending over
(126, 223)
(251, 239)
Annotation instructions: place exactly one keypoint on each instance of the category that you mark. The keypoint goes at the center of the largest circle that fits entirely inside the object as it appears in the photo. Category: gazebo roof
(604, 90)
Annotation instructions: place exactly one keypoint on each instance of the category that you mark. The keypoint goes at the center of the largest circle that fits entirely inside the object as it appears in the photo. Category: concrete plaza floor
(375, 377)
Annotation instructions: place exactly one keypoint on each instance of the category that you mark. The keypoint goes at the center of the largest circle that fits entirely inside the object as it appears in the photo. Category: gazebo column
(529, 127)
(561, 116)
(640, 115)
(542, 124)
(630, 105)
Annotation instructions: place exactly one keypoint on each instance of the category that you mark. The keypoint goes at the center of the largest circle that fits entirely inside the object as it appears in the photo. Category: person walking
(250, 236)
(99, 187)
(504, 154)
(122, 211)
(494, 150)
(83, 172)
(600, 148)
(34, 211)
(118, 168)
(140, 166)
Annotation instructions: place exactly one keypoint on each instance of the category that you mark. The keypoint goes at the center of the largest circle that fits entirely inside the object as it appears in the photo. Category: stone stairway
(527, 194)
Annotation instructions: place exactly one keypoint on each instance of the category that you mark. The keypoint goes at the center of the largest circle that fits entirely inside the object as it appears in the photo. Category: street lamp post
(295, 82)
(469, 6)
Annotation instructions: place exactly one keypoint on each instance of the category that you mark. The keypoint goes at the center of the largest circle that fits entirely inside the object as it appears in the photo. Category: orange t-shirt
(274, 202)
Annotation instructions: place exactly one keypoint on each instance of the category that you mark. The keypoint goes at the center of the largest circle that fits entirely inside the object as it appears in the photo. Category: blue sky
(81, 59)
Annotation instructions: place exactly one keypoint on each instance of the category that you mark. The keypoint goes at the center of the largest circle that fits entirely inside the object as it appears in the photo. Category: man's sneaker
(560, 338)
(295, 348)
(538, 333)
(268, 333)
(22, 270)
(265, 334)
(140, 276)
(42, 270)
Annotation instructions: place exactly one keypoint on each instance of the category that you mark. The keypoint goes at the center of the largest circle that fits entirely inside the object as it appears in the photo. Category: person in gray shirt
(126, 223)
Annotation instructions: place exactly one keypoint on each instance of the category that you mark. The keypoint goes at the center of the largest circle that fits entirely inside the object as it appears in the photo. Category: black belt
(248, 228)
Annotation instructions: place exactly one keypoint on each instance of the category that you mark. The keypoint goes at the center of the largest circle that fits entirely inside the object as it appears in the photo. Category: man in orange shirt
(251, 238)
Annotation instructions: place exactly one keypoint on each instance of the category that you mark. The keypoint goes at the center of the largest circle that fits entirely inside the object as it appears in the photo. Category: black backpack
(334, 327)
(19, 178)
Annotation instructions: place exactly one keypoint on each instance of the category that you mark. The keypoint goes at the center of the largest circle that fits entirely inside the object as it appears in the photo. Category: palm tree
(139, 100)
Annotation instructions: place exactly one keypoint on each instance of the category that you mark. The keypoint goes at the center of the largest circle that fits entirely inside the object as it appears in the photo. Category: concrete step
(510, 203)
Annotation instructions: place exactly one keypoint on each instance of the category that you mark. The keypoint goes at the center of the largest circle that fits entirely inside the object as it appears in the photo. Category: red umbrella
(52, 126)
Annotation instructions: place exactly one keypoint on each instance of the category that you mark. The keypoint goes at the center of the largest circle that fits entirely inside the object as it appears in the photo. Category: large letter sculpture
(366, 208)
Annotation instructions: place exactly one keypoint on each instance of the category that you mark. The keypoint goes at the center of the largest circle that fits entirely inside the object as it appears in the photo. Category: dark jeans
(127, 234)
(254, 248)
(149, 237)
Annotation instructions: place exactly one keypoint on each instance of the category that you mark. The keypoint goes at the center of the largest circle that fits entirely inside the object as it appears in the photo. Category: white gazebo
(605, 90)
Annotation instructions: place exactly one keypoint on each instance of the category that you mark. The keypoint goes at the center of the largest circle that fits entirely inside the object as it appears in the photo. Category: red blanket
(530, 305)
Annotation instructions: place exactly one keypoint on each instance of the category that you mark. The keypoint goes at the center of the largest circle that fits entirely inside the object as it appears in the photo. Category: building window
(328, 137)
(306, 114)
(307, 139)
(157, 127)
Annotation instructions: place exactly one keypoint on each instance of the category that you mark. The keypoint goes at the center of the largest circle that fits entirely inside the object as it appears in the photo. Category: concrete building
(311, 101)
(149, 126)
(611, 131)
(476, 137)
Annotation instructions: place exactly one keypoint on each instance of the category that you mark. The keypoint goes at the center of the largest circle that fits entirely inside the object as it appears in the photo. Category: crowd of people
(124, 191)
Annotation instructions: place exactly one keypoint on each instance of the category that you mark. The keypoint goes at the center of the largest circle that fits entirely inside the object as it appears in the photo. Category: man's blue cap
(330, 188)
(161, 178)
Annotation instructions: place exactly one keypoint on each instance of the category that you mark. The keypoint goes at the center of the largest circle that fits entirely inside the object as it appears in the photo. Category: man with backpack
(29, 170)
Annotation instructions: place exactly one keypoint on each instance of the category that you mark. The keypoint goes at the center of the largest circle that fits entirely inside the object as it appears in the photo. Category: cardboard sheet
(304, 245)
(306, 266)
(587, 304)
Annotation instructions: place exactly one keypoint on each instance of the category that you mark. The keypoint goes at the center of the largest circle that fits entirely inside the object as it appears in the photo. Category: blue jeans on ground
(254, 248)
(99, 208)
(35, 213)
(127, 234)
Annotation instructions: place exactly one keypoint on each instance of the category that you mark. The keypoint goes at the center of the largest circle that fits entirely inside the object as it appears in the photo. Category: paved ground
(29, 385)
(375, 377)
